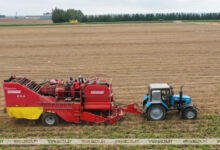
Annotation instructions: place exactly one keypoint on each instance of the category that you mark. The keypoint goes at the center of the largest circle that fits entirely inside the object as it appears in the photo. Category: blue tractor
(160, 99)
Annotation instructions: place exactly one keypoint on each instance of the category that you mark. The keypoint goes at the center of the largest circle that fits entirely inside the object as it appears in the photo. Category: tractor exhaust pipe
(181, 93)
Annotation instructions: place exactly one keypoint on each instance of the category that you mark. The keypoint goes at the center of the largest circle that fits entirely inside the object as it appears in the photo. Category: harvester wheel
(156, 112)
(50, 119)
(189, 114)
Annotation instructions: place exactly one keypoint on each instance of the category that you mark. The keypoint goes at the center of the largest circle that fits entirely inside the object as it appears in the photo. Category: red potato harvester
(88, 100)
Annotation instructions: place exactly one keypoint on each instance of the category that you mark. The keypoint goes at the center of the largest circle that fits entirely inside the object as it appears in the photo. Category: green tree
(59, 15)
(73, 14)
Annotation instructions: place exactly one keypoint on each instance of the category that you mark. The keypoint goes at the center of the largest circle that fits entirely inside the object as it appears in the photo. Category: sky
(94, 7)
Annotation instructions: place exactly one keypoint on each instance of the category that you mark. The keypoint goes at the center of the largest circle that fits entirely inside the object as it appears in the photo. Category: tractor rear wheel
(50, 119)
(156, 112)
(189, 114)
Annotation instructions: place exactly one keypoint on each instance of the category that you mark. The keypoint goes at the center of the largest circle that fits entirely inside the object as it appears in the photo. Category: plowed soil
(135, 55)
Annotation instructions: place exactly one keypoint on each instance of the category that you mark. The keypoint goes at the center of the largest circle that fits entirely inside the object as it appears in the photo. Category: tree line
(2, 16)
(60, 15)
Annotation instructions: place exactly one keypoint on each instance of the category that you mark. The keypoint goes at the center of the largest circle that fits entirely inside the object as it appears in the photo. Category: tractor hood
(185, 98)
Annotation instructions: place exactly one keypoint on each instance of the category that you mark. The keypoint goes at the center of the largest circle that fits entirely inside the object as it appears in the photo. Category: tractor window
(165, 95)
(171, 90)
(156, 95)
(149, 94)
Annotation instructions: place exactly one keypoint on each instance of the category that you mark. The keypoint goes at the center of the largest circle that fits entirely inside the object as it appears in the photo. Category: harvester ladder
(77, 112)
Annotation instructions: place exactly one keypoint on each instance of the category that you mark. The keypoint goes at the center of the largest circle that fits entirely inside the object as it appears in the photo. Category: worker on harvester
(77, 89)
(68, 90)
(81, 80)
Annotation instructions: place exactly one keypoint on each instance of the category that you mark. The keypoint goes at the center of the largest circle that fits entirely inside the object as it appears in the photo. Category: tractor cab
(160, 99)
(160, 92)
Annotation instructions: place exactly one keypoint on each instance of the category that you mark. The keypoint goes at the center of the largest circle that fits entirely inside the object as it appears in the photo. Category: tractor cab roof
(159, 86)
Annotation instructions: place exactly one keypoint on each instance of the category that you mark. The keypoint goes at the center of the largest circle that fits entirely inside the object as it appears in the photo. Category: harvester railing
(57, 105)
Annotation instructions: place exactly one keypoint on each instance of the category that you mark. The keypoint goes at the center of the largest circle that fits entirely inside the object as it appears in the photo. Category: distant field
(11, 22)
(6, 21)
(134, 55)
(28, 22)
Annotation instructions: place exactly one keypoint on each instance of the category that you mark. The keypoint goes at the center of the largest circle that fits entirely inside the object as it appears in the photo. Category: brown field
(134, 55)
(5, 21)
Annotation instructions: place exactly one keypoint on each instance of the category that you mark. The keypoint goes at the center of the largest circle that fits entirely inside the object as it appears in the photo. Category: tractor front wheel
(49, 119)
(156, 112)
(189, 114)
